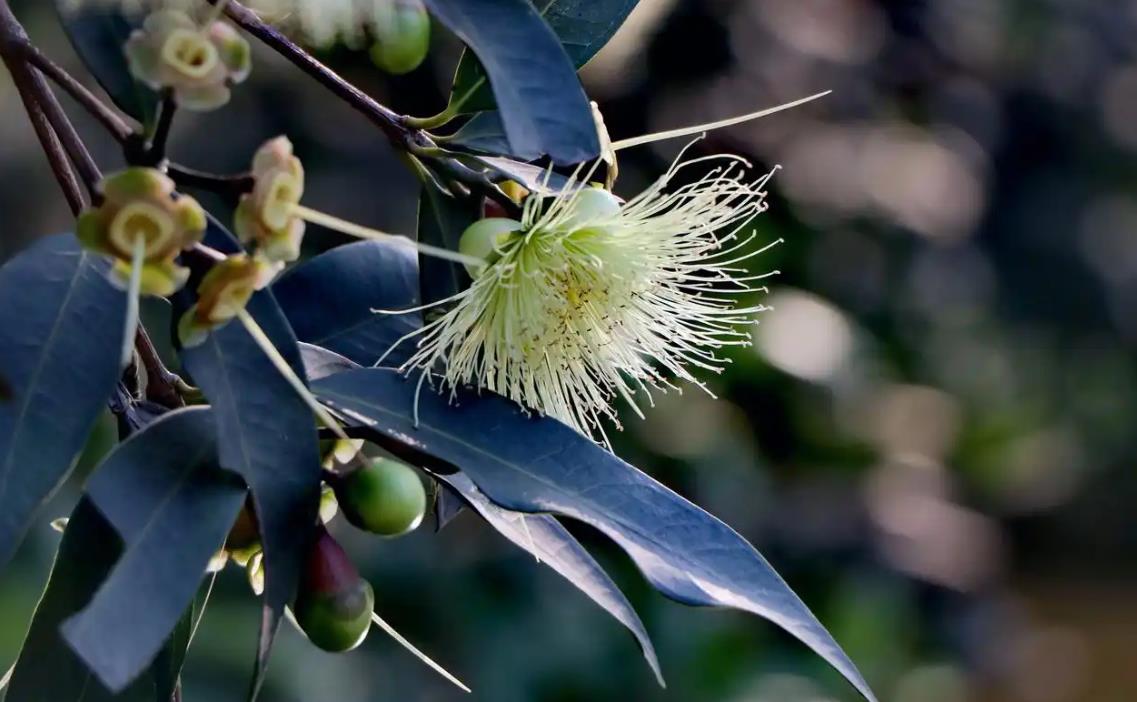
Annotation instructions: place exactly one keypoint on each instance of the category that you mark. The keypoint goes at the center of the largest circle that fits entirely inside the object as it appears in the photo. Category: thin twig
(72, 142)
(386, 119)
(156, 147)
(161, 384)
(118, 127)
(231, 186)
(52, 147)
(398, 129)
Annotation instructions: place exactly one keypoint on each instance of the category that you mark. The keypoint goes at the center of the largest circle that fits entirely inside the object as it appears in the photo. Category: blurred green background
(932, 438)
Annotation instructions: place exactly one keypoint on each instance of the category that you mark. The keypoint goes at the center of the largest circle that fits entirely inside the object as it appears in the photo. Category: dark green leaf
(540, 465)
(547, 539)
(171, 504)
(61, 325)
(99, 34)
(543, 106)
(583, 27)
(267, 435)
(330, 300)
(483, 132)
(47, 670)
(441, 221)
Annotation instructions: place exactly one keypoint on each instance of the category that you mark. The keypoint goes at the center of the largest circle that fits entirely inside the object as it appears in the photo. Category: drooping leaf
(583, 27)
(534, 178)
(61, 325)
(543, 106)
(330, 300)
(547, 539)
(540, 465)
(267, 435)
(320, 362)
(448, 504)
(99, 31)
(47, 668)
(164, 493)
(441, 221)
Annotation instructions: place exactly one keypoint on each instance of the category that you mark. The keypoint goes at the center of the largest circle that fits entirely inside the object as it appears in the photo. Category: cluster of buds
(139, 204)
(197, 64)
(266, 217)
(222, 294)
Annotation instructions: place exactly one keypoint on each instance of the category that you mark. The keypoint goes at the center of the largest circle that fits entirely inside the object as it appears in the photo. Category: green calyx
(485, 238)
(384, 497)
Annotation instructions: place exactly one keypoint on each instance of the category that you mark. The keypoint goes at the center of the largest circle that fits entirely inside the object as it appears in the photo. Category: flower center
(141, 219)
(190, 53)
(283, 193)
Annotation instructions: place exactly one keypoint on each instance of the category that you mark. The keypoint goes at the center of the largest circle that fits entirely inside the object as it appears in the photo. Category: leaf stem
(451, 111)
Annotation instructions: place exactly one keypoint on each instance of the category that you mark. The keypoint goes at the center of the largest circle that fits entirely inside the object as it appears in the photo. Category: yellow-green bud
(223, 292)
(265, 216)
(199, 64)
(140, 203)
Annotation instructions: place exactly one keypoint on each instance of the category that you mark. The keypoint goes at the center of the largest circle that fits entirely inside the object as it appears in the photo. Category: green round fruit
(482, 239)
(384, 497)
(402, 35)
(333, 604)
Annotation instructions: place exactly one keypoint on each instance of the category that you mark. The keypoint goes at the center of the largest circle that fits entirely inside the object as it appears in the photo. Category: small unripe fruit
(482, 239)
(402, 35)
(333, 604)
(384, 497)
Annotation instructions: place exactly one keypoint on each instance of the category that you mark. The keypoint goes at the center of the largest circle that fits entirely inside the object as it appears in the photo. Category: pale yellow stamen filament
(132, 293)
(390, 631)
(700, 128)
(361, 232)
(286, 371)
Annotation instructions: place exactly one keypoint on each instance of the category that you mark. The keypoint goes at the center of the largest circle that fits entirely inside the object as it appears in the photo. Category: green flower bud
(265, 216)
(199, 64)
(333, 604)
(140, 203)
(592, 204)
(223, 292)
(483, 239)
(255, 571)
(384, 497)
(402, 35)
(329, 507)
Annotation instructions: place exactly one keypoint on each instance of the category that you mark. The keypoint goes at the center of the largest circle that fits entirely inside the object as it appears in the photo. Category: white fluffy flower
(590, 300)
